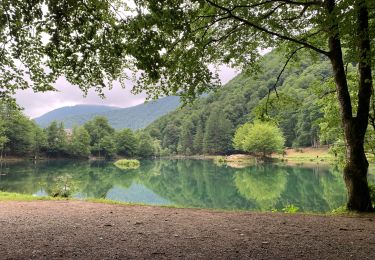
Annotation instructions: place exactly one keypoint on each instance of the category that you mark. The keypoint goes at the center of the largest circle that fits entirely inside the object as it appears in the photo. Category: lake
(186, 183)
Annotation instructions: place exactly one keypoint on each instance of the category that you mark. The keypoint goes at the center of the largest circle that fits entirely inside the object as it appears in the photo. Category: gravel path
(84, 230)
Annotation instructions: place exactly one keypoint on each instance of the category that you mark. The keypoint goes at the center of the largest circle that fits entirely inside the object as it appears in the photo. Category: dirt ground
(83, 230)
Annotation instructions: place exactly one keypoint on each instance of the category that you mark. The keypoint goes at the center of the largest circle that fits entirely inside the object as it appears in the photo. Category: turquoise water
(187, 183)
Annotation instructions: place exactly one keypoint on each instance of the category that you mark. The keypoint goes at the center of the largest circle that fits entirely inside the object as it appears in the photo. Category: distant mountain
(61, 113)
(132, 117)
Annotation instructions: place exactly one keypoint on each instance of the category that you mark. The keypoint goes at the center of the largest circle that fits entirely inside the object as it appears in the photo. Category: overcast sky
(36, 104)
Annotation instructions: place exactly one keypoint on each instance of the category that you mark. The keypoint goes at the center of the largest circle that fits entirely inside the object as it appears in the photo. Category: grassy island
(127, 164)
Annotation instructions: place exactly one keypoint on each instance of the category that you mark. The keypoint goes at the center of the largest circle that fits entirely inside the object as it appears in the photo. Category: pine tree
(218, 134)
(198, 139)
(171, 137)
(186, 138)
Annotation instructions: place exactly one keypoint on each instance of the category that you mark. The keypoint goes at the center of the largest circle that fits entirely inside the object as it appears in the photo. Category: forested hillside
(60, 114)
(208, 125)
(135, 117)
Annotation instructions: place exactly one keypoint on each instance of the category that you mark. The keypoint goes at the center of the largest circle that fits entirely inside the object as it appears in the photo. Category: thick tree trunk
(355, 171)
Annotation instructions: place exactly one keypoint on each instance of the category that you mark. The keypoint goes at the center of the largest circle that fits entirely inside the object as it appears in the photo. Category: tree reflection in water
(188, 183)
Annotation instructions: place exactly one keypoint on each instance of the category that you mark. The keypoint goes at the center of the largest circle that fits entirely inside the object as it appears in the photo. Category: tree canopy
(20, 136)
(259, 137)
(92, 42)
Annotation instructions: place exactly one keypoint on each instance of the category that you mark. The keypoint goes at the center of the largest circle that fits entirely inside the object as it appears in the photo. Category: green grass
(12, 196)
(307, 155)
(307, 158)
(127, 164)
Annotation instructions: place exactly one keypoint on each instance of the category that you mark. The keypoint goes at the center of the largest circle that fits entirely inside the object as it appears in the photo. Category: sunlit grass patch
(12, 196)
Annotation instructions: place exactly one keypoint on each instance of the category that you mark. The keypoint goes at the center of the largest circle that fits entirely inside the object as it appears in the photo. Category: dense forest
(300, 103)
(207, 126)
(20, 136)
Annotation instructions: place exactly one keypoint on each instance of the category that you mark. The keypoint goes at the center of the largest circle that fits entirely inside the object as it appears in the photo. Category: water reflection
(262, 184)
(189, 183)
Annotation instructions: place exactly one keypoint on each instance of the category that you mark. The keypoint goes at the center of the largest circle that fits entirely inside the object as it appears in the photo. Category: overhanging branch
(258, 27)
(309, 3)
(274, 87)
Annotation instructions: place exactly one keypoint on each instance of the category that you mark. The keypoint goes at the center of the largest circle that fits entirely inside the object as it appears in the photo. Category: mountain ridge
(135, 117)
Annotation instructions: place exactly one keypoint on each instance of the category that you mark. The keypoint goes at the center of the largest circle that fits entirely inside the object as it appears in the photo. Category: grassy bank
(12, 196)
(306, 155)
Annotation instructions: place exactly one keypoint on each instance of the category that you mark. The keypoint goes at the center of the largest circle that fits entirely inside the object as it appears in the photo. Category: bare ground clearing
(84, 230)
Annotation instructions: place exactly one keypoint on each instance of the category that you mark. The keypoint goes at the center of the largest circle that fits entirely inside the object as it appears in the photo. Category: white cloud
(36, 104)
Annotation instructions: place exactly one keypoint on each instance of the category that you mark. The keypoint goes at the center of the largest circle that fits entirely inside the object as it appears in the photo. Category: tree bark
(356, 168)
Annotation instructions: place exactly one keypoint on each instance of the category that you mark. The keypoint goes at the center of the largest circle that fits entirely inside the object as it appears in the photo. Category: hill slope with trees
(135, 117)
(61, 113)
(208, 125)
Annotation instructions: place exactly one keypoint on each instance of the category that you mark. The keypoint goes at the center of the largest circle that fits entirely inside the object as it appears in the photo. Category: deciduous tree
(259, 138)
(80, 142)
(126, 142)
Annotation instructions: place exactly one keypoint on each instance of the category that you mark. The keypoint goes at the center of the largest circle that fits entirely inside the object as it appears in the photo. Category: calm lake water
(187, 183)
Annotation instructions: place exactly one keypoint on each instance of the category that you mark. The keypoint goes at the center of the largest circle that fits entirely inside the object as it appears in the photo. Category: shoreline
(299, 155)
(19, 197)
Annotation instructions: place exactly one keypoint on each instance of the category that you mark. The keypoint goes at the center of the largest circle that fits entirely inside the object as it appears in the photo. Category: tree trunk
(355, 171)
